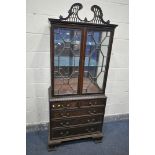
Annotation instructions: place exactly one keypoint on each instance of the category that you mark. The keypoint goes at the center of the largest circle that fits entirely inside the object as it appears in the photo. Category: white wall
(38, 48)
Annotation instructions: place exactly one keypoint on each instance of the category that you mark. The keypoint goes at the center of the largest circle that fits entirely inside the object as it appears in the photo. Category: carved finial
(108, 21)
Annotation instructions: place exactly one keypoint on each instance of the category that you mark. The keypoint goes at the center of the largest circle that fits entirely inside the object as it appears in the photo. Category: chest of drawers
(75, 118)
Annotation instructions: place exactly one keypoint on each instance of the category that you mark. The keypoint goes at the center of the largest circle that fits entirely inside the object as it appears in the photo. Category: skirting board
(44, 126)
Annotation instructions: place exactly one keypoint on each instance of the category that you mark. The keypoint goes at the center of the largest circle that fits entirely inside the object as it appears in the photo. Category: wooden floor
(69, 86)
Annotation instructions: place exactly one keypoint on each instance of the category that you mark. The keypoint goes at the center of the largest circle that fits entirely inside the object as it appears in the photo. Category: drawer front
(77, 103)
(77, 112)
(76, 131)
(76, 121)
(94, 102)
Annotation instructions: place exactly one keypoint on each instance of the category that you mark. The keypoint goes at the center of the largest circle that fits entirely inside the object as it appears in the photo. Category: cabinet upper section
(80, 53)
(73, 18)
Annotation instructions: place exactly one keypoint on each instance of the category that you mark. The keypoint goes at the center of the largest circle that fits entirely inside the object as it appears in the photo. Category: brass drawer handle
(68, 105)
(93, 103)
(64, 124)
(90, 130)
(87, 130)
(92, 120)
(64, 133)
(59, 105)
(63, 115)
(92, 112)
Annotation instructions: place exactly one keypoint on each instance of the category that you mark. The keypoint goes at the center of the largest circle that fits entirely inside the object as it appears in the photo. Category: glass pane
(95, 61)
(66, 60)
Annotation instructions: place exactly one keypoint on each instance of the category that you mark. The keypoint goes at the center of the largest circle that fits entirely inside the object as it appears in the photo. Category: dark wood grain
(82, 58)
(76, 112)
(64, 123)
(59, 133)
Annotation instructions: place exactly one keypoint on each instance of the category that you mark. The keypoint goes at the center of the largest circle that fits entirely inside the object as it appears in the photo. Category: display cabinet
(80, 55)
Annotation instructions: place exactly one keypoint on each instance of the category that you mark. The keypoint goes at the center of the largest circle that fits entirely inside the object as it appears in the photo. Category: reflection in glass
(66, 60)
(95, 61)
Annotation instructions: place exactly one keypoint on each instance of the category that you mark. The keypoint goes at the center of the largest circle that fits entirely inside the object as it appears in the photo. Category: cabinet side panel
(52, 58)
(108, 60)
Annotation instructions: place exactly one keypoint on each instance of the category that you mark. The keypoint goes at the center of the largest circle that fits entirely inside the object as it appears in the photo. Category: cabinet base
(97, 137)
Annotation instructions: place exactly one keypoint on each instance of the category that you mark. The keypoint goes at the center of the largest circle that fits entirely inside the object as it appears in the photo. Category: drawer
(76, 131)
(65, 104)
(77, 103)
(76, 121)
(94, 102)
(77, 112)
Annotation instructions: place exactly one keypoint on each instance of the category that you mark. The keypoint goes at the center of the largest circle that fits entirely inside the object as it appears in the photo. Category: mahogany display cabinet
(80, 53)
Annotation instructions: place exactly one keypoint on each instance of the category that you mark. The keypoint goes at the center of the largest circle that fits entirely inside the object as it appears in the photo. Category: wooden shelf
(69, 86)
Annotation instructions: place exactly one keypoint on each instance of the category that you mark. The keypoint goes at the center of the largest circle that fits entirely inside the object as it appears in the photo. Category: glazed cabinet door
(95, 63)
(66, 57)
